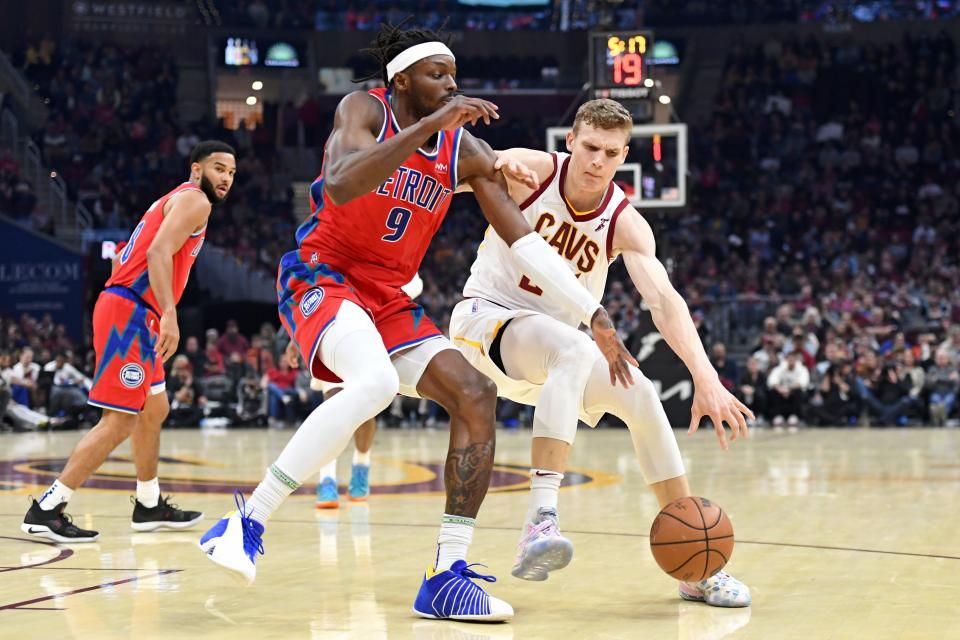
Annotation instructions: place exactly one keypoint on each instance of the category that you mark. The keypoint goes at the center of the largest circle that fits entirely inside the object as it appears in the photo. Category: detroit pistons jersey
(583, 240)
(131, 272)
(382, 236)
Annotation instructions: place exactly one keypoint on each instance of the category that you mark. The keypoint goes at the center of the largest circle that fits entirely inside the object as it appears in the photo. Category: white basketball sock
(57, 493)
(544, 491)
(361, 458)
(270, 494)
(456, 534)
(329, 470)
(148, 492)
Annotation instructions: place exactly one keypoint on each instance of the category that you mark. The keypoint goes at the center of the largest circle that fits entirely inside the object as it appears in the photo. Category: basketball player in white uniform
(533, 350)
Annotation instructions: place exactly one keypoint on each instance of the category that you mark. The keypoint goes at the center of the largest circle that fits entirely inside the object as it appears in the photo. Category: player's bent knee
(475, 392)
(643, 388)
(117, 424)
(379, 386)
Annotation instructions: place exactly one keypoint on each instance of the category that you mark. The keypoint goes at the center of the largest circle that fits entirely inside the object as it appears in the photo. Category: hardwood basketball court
(840, 534)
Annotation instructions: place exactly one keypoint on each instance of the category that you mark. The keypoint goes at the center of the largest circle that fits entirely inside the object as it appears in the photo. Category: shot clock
(619, 64)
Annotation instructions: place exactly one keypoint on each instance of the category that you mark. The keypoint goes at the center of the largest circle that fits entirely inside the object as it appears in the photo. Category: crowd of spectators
(45, 378)
(114, 136)
(697, 12)
(828, 181)
(816, 375)
(824, 194)
(43, 374)
(17, 198)
(329, 15)
(569, 15)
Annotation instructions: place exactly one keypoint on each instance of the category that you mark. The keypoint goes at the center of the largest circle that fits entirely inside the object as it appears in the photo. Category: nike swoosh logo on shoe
(30, 530)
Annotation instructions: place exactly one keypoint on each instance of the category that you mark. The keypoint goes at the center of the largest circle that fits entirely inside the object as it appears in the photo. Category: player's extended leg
(327, 489)
(544, 351)
(439, 372)
(152, 511)
(656, 448)
(353, 349)
(46, 518)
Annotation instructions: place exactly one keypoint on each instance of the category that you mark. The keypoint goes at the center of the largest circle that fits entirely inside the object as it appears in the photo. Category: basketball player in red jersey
(134, 331)
(393, 160)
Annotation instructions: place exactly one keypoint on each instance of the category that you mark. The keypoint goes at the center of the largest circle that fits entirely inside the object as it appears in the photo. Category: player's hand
(612, 348)
(292, 355)
(712, 400)
(461, 110)
(169, 336)
(516, 171)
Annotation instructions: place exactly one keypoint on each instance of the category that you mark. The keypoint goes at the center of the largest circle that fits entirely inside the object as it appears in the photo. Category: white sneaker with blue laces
(719, 590)
(234, 542)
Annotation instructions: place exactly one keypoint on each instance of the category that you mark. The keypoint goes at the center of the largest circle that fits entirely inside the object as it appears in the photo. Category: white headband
(415, 54)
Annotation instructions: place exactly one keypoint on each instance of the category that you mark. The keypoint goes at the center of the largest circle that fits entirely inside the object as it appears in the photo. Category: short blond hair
(604, 113)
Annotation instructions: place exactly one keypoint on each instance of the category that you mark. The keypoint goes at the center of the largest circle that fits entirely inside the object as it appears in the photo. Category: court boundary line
(24, 605)
(607, 533)
(645, 535)
(590, 533)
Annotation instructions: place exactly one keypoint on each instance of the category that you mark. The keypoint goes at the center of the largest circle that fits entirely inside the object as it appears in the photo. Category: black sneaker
(54, 525)
(163, 516)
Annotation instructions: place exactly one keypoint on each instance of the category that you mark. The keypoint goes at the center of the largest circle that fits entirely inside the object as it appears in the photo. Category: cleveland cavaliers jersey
(383, 235)
(583, 240)
(131, 271)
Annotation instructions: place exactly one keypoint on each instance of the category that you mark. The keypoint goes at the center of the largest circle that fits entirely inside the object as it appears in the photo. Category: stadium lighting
(251, 100)
(257, 85)
(648, 83)
(664, 99)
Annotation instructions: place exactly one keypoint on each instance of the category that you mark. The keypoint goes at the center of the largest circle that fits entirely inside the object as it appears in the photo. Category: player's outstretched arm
(538, 259)
(188, 212)
(524, 169)
(633, 238)
(356, 164)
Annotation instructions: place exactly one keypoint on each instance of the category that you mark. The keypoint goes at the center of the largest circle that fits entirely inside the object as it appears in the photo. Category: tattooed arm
(475, 167)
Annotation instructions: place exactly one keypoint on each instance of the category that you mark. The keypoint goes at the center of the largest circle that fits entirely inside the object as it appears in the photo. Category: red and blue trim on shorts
(120, 342)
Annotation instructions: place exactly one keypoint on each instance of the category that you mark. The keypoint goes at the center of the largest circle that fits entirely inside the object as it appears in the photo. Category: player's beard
(210, 191)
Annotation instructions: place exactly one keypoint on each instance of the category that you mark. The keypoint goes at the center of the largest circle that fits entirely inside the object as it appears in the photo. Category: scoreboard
(620, 69)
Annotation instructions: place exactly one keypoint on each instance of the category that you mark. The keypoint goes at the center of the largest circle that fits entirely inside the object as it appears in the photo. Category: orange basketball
(691, 539)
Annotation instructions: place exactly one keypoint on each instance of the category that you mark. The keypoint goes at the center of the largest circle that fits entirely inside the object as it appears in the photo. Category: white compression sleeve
(545, 351)
(640, 408)
(548, 270)
(353, 350)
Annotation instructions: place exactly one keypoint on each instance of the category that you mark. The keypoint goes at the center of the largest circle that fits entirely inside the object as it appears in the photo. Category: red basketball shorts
(311, 294)
(128, 369)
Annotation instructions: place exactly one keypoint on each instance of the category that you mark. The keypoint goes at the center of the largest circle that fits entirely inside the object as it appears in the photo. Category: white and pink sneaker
(541, 548)
(719, 590)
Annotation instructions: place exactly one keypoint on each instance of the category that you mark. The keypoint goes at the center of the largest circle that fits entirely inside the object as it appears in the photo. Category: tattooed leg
(467, 476)
(471, 400)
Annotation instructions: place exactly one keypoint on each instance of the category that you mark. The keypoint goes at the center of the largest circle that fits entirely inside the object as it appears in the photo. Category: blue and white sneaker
(450, 595)
(359, 483)
(327, 496)
(719, 590)
(234, 542)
